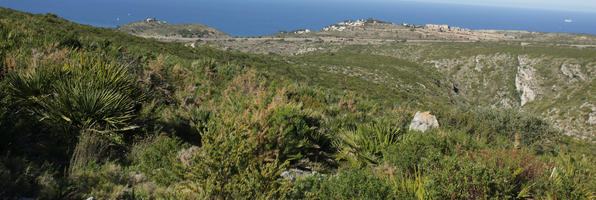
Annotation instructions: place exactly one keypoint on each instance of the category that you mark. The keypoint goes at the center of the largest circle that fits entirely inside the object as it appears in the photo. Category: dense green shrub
(491, 123)
(293, 133)
(24, 178)
(501, 174)
(70, 40)
(157, 159)
(16, 180)
(347, 184)
(226, 166)
(107, 181)
(17, 129)
(417, 149)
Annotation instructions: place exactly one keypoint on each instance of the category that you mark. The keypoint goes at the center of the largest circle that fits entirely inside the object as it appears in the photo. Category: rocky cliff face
(573, 71)
(525, 79)
(558, 86)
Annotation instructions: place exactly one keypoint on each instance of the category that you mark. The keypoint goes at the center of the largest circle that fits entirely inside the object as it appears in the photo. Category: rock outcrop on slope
(554, 82)
(423, 121)
(525, 80)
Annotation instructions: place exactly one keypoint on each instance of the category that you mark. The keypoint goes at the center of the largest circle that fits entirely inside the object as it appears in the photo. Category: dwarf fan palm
(364, 144)
(79, 100)
(88, 95)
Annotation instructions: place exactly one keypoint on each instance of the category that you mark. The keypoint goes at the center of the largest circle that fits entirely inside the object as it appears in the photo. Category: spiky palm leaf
(86, 106)
(87, 94)
(35, 83)
(364, 144)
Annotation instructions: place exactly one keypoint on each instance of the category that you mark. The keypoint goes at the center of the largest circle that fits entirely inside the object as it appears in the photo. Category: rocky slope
(152, 28)
(555, 82)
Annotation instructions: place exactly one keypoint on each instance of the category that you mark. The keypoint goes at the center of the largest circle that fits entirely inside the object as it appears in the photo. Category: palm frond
(87, 93)
(365, 143)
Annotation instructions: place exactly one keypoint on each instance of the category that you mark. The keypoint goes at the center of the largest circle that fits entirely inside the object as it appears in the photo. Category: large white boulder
(424, 121)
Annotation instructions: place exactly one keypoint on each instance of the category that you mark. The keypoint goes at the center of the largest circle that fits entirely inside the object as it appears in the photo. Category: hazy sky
(568, 5)
(565, 5)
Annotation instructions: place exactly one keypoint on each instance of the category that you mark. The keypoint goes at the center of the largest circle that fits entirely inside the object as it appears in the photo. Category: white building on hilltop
(344, 25)
(437, 27)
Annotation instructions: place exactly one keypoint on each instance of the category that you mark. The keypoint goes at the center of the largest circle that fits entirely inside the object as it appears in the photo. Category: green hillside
(94, 112)
(554, 82)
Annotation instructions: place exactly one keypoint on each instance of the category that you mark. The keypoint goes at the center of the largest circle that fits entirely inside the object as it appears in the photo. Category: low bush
(293, 133)
(347, 184)
(107, 181)
(17, 180)
(426, 150)
(226, 166)
(491, 123)
(501, 174)
(157, 159)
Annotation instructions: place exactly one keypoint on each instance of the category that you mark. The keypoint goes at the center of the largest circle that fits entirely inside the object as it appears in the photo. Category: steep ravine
(560, 89)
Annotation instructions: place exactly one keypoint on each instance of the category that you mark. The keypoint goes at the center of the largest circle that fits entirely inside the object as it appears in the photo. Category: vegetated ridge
(154, 28)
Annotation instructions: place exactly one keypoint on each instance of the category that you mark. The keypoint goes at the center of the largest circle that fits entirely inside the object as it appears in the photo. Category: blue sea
(254, 18)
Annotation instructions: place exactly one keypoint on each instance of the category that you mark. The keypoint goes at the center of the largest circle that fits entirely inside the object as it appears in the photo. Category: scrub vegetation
(92, 112)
